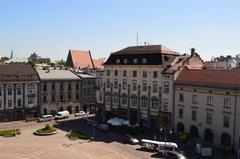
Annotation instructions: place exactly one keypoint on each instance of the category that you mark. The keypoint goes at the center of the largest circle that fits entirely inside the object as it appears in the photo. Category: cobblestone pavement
(28, 146)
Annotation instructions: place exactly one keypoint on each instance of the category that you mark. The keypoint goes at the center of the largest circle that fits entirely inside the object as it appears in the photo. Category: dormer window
(125, 61)
(118, 61)
(135, 61)
(144, 60)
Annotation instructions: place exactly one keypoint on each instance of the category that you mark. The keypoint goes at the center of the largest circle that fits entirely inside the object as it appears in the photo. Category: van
(62, 115)
(158, 145)
(45, 118)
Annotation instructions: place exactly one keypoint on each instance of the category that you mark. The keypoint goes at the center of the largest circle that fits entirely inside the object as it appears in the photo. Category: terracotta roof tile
(210, 78)
(81, 58)
(98, 63)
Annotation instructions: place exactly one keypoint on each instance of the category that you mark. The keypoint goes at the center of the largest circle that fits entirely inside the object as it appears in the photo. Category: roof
(80, 59)
(56, 75)
(210, 78)
(98, 63)
(145, 49)
(142, 55)
(18, 73)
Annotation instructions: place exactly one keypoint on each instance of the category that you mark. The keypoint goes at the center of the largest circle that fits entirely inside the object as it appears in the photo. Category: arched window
(108, 97)
(193, 131)
(155, 103)
(134, 101)
(9, 90)
(225, 140)
(208, 135)
(30, 88)
(124, 99)
(144, 101)
(115, 99)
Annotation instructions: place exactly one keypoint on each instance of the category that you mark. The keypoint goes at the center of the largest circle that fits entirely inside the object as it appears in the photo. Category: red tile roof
(98, 63)
(210, 78)
(81, 58)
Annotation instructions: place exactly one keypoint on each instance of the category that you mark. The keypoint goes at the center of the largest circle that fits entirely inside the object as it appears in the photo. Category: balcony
(31, 95)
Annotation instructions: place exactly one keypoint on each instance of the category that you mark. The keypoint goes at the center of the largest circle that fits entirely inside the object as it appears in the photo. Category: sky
(52, 27)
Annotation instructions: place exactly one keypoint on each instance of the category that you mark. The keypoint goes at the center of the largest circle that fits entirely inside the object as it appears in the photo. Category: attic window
(118, 61)
(144, 60)
(135, 60)
(125, 61)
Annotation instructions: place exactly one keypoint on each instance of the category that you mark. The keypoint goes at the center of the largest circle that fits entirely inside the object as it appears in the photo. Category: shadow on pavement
(77, 125)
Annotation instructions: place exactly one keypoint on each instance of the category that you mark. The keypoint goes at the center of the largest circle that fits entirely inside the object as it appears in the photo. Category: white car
(80, 113)
(45, 118)
(131, 140)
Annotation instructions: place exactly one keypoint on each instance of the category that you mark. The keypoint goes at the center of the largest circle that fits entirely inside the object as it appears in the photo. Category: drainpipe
(173, 111)
(234, 125)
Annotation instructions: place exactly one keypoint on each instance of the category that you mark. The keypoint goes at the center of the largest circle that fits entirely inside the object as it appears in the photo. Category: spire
(11, 54)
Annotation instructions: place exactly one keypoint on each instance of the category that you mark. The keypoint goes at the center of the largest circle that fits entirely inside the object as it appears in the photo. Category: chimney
(192, 51)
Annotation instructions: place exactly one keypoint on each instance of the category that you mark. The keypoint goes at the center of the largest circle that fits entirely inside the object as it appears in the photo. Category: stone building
(18, 91)
(207, 105)
(137, 83)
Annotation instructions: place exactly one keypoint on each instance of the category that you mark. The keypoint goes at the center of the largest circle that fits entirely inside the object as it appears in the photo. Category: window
(134, 100)
(117, 60)
(144, 74)
(124, 99)
(134, 73)
(227, 102)
(69, 86)
(77, 96)
(194, 115)
(53, 86)
(194, 98)
(31, 89)
(209, 118)
(180, 113)
(134, 86)
(108, 72)
(155, 103)
(116, 72)
(125, 61)
(124, 85)
(108, 98)
(155, 87)
(9, 103)
(30, 101)
(19, 90)
(144, 60)
(144, 87)
(19, 102)
(61, 86)
(165, 104)
(44, 99)
(210, 100)
(77, 86)
(108, 84)
(124, 73)
(0, 92)
(115, 84)
(44, 87)
(1, 105)
(181, 97)
(61, 96)
(9, 91)
(155, 74)
(69, 96)
(135, 61)
(166, 87)
(144, 102)
(53, 98)
(226, 120)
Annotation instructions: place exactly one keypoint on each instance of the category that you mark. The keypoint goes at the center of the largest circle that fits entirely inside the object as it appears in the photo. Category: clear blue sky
(51, 27)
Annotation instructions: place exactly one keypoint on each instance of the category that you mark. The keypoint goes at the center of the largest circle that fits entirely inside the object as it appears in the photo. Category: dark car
(174, 155)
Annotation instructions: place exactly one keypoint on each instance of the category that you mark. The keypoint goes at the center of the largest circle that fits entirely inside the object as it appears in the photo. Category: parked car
(80, 113)
(103, 127)
(45, 118)
(131, 140)
(62, 115)
(174, 155)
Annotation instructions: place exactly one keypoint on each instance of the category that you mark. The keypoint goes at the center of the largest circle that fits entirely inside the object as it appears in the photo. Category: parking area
(28, 146)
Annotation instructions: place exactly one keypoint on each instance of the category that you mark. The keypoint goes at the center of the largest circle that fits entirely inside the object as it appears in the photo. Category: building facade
(18, 92)
(60, 89)
(207, 106)
(137, 84)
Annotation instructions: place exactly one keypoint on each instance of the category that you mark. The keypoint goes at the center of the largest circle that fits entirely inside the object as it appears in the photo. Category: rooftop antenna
(11, 54)
(137, 39)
